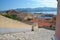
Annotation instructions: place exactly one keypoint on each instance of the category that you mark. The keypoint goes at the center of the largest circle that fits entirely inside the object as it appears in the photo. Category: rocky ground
(38, 34)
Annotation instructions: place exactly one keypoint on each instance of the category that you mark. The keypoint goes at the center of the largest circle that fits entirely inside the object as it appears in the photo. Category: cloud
(47, 3)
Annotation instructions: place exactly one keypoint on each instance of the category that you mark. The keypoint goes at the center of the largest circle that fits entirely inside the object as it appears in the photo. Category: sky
(13, 4)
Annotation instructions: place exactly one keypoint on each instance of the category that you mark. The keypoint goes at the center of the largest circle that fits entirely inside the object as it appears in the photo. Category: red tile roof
(41, 23)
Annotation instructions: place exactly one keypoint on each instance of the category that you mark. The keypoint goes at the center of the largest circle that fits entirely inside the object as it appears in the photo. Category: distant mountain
(40, 9)
(2, 11)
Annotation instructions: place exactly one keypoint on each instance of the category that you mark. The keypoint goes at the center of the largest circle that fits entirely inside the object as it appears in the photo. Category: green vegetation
(29, 19)
(11, 16)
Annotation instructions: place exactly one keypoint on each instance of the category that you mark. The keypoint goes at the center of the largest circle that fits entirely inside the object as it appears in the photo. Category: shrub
(11, 16)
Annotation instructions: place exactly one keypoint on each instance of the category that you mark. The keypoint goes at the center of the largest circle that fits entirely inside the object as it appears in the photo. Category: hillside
(9, 23)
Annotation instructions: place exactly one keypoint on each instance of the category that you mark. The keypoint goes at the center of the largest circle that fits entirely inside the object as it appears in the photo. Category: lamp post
(33, 23)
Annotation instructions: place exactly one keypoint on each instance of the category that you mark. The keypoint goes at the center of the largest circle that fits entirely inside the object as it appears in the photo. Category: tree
(54, 20)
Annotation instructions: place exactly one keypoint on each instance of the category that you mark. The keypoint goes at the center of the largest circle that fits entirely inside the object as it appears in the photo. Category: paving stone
(39, 34)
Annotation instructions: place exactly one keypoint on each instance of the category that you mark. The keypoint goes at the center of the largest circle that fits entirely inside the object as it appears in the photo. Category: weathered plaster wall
(58, 21)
